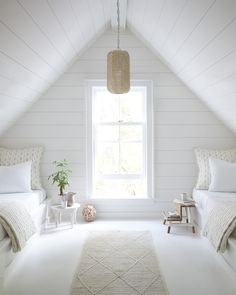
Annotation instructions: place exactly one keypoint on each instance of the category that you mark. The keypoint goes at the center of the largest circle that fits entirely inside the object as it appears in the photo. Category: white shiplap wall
(57, 121)
(39, 40)
(197, 39)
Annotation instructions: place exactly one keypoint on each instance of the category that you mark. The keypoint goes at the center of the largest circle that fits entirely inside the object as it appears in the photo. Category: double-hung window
(120, 142)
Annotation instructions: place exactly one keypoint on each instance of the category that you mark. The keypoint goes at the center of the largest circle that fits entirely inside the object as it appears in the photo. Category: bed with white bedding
(32, 202)
(22, 200)
(205, 201)
(35, 204)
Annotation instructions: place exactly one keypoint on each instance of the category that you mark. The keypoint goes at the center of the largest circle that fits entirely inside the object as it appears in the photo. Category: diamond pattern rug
(118, 263)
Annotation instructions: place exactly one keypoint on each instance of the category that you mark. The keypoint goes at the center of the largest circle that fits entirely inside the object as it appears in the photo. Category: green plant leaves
(61, 175)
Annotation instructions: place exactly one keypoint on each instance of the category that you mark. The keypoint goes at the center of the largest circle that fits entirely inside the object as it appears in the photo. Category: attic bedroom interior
(117, 147)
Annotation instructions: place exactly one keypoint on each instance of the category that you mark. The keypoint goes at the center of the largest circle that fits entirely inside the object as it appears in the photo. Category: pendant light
(118, 65)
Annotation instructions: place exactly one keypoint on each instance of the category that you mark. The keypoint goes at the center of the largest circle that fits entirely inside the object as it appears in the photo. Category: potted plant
(60, 176)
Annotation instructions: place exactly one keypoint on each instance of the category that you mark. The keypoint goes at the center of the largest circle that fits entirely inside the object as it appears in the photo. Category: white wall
(57, 121)
(39, 39)
(197, 39)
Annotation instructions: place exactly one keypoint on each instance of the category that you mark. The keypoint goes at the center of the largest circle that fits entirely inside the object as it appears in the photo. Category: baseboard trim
(129, 215)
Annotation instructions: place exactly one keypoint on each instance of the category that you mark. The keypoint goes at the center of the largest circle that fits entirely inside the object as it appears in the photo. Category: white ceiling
(196, 38)
(40, 38)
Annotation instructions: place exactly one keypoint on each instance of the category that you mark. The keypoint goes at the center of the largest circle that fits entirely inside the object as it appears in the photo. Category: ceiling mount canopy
(118, 65)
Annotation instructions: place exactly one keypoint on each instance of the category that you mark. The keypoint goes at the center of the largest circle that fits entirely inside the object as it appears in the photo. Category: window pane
(119, 141)
(106, 107)
(131, 158)
(107, 160)
(120, 188)
(107, 133)
(131, 133)
(131, 107)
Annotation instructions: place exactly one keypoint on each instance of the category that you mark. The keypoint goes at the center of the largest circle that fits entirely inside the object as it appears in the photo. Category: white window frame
(148, 134)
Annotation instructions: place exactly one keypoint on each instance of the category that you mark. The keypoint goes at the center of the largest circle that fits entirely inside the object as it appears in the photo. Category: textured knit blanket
(220, 224)
(17, 222)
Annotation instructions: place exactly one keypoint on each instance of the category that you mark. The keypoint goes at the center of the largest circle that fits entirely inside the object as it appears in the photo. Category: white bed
(36, 205)
(204, 202)
(31, 200)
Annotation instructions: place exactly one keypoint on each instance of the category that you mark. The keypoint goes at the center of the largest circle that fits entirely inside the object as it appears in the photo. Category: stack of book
(171, 216)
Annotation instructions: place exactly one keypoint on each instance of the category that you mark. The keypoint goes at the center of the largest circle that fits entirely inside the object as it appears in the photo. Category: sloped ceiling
(41, 38)
(197, 39)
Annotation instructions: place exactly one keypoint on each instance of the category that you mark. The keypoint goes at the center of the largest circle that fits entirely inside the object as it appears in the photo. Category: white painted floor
(190, 266)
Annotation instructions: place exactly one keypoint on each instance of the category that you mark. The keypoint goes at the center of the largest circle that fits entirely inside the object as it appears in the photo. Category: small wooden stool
(179, 217)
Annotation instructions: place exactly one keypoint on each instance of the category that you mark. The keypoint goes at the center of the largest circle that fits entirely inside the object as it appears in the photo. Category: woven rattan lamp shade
(118, 71)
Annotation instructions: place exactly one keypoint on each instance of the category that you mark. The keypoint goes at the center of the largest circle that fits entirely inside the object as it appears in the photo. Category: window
(119, 146)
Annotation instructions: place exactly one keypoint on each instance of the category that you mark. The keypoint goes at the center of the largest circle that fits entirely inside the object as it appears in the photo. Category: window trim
(148, 134)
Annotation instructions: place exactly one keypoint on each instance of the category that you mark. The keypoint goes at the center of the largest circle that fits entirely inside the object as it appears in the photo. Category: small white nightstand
(59, 210)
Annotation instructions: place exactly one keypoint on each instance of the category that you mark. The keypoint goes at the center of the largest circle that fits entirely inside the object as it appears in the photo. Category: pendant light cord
(118, 24)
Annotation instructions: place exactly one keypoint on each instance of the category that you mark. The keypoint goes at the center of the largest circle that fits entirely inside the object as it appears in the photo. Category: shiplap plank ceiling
(196, 38)
(41, 38)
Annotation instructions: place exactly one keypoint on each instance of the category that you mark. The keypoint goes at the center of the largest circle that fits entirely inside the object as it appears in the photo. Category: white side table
(59, 210)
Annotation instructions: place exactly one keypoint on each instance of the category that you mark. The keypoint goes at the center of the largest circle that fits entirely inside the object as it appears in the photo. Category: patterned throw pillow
(10, 157)
(203, 155)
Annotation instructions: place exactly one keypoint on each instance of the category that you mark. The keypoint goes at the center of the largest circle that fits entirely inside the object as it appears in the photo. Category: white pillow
(223, 176)
(15, 179)
(10, 157)
(202, 156)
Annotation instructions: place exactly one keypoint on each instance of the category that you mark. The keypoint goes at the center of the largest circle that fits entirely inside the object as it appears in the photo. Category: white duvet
(31, 201)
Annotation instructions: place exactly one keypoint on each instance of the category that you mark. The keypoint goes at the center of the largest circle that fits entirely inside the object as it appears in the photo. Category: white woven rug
(118, 263)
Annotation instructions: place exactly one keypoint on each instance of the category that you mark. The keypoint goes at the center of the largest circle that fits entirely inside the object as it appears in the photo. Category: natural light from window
(119, 143)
